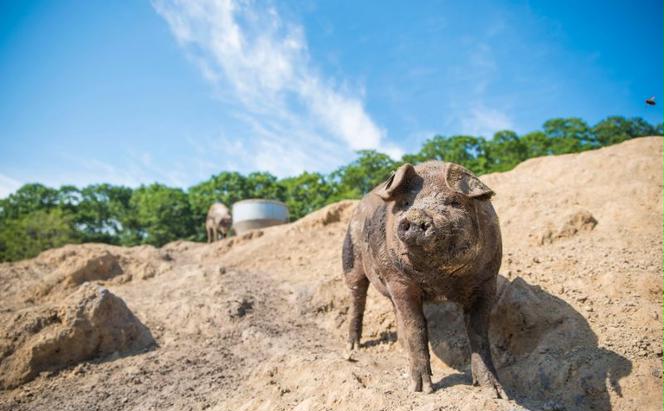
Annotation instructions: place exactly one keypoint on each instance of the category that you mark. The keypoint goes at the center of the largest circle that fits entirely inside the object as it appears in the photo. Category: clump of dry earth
(257, 322)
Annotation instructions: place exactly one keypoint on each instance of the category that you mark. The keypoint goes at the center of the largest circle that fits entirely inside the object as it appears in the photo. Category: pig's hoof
(494, 387)
(422, 383)
(500, 391)
(351, 348)
(427, 388)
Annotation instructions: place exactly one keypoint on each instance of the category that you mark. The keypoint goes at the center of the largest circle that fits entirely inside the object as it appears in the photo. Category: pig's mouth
(420, 253)
(434, 251)
(409, 262)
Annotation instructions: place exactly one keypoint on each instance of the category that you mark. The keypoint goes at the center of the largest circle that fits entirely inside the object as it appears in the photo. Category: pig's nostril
(404, 225)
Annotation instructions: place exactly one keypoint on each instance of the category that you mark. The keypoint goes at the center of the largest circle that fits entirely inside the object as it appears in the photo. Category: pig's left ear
(463, 181)
(388, 189)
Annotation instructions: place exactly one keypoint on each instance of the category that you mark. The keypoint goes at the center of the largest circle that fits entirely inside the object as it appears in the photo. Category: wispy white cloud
(475, 111)
(393, 150)
(260, 65)
(8, 185)
(126, 171)
(129, 169)
(485, 121)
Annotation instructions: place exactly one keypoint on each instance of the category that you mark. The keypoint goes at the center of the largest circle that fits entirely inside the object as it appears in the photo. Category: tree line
(36, 217)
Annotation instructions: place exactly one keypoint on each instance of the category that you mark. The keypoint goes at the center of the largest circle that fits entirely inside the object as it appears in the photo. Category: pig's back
(218, 210)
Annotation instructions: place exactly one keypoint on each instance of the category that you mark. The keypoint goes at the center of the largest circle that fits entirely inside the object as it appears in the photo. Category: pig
(427, 234)
(218, 222)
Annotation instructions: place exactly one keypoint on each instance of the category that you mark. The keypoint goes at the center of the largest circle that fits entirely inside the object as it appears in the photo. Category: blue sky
(131, 92)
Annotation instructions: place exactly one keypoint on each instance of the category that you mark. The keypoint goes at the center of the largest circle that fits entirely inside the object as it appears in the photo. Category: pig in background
(218, 222)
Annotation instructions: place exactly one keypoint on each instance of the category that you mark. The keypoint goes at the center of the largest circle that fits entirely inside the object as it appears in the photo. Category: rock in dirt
(574, 222)
(91, 323)
(238, 308)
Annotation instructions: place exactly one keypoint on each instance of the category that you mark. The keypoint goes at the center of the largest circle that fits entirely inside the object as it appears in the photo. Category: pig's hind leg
(358, 283)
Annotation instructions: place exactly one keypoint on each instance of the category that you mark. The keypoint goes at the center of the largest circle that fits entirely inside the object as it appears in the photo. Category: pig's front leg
(477, 327)
(412, 330)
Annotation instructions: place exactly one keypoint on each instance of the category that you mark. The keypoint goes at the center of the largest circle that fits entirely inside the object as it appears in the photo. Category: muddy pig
(429, 233)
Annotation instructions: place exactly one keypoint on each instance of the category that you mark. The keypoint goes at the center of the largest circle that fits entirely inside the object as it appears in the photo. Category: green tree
(468, 151)
(29, 198)
(159, 214)
(616, 129)
(31, 233)
(569, 135)
(306, 193)
(100, 210)
(505, 151)
(537, 144)
(68, 198)
(362, 175)
(659, 129)
(264, 185)
(638, 127)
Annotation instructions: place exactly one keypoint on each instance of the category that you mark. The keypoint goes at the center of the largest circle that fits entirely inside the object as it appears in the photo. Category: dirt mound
(90, 323)
(620, 186)
(54, 274)
(259, 321)
(330, 214)
(76, 269)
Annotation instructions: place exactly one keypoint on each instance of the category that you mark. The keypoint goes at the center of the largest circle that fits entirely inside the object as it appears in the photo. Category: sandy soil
(258, 322)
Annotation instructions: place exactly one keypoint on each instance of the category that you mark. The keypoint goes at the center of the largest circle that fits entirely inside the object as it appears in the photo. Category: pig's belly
(460, 289)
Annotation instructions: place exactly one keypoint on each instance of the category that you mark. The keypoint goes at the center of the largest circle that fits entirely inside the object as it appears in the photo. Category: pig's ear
(388, 189)
(463, 181)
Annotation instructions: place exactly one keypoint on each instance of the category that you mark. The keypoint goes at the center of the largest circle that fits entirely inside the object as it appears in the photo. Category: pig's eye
(405, 203)
(455, 204)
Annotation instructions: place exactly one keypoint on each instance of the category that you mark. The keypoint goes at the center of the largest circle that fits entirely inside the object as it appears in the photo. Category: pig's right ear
(390, 188)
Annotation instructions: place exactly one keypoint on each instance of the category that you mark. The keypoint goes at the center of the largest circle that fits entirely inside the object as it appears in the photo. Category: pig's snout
(415, 227)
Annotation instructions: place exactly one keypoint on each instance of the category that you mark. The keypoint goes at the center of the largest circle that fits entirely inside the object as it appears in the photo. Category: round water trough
(257, 213)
